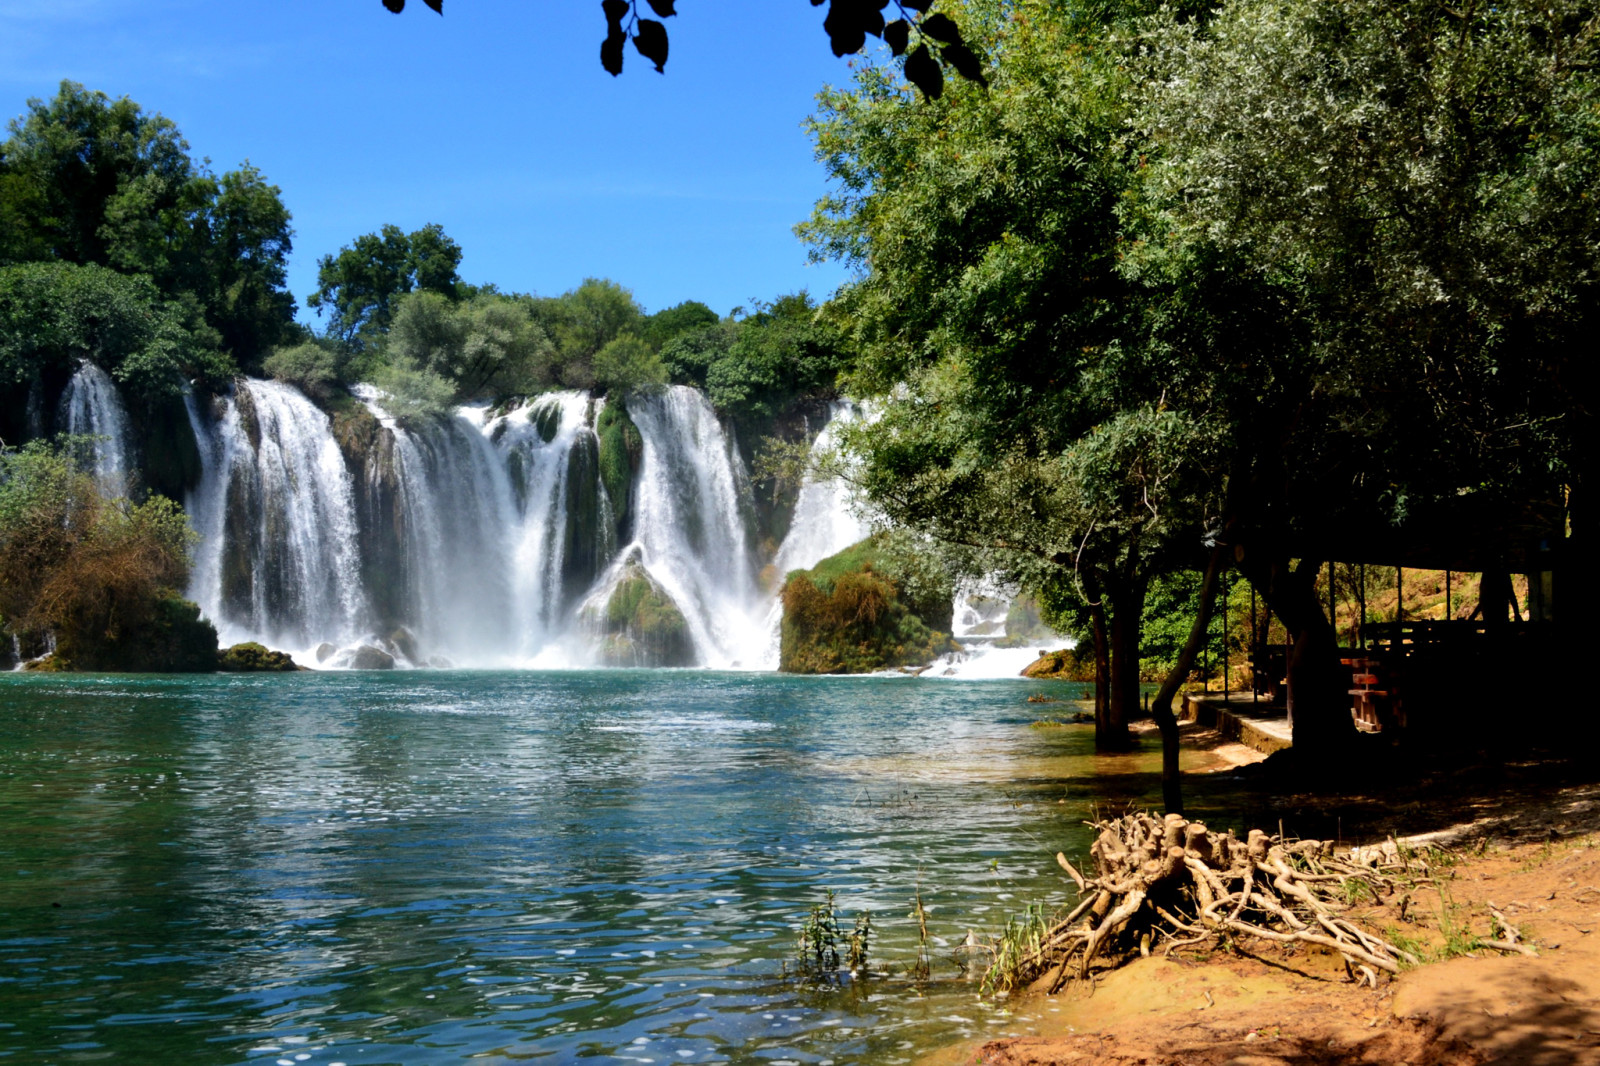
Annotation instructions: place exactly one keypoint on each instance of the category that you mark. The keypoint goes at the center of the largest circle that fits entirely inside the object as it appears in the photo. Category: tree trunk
(1323, 727)
(1102, 670)
(1126, 599)
(1161, 706)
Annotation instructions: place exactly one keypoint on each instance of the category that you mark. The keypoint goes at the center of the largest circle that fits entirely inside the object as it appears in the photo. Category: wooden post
(1361, 606)
(1225, 634)
(1255, 693)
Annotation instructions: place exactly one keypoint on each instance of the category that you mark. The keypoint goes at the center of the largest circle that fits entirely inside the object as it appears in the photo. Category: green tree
(584, 320)
(98, 575)
(54, 314)
(487, 345)
(89, 180)
(1028, 409)
(1412, 184)
(671, 322)
(357, 287)
(627, 363)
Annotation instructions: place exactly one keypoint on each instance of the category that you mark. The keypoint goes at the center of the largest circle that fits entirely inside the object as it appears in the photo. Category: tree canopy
(88, 180)
(1216, 277)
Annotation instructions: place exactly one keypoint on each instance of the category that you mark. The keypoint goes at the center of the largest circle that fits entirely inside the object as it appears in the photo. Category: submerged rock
(251, 657)
(367, 657)
(640, 625)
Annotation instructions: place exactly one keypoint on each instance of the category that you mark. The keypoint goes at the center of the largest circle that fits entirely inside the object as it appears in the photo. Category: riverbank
(1526, 867)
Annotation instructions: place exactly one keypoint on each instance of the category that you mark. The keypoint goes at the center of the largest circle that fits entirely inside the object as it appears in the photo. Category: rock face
(367, 657)
(251, 657)
(640, 625)
(847, 616)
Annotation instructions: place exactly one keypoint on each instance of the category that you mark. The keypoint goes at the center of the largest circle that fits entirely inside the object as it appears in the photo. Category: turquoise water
(429, 867)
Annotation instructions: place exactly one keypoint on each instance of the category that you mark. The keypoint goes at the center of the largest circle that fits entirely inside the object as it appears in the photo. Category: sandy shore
(1523, 840)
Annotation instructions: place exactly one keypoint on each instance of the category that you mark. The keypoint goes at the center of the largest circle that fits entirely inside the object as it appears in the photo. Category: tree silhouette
(925, 43)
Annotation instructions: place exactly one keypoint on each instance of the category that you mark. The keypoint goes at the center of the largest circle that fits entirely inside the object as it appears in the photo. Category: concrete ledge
(1262, 726)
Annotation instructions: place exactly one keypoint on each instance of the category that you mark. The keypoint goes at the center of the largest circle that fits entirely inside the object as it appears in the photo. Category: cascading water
(91, 405)
(488, 537)
(275, 509)
(826, 520)
(690, 527)
(488, 542)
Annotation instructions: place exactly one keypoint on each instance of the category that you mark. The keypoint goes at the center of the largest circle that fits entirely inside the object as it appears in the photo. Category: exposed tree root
(1163, 883)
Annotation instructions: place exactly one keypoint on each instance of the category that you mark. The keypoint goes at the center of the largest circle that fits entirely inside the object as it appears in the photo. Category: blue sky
(495, 121)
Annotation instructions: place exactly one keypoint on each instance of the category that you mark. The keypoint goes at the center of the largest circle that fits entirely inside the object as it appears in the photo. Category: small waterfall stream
(91, 405)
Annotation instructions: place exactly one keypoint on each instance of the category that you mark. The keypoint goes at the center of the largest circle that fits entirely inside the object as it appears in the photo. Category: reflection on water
(419, 868)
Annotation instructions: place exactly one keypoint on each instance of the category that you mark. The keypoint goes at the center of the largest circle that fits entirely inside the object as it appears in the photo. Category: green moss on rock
(1063, 665)
(621, 448)
(846, 615)
(251, 657)
(640, 625)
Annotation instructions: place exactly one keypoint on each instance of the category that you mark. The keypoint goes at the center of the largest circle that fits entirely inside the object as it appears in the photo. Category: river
(420, 867)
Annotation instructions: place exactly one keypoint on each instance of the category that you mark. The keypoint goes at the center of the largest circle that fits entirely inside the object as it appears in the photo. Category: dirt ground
(1529, 851)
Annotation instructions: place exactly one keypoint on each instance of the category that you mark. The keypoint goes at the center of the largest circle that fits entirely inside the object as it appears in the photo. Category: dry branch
(1173, 879)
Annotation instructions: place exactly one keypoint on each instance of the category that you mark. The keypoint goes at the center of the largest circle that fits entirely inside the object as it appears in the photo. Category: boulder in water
(1063, 665)
(405, 643)
(325, 651)
(251, 657)
(367, 657)
(640, 625)
(848, 615)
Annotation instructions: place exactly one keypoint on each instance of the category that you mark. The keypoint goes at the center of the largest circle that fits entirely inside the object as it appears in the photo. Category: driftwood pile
(1164, 883)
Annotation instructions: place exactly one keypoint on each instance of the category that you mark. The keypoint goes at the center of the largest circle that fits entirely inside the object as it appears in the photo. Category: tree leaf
(651, 41)
(611, 52)
(843, 26)
(396, 6)
(616, 11)
(437, 5)
(663, 8)
(941, 28)
(966, 64)
(897, 35)
(922, 70)
(918, 6)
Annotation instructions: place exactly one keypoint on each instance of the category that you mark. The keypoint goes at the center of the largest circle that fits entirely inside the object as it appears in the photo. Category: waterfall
(92, 406)
(692, 506)
(825, 521)
(275, 509)
(488, 530)
(491, 537)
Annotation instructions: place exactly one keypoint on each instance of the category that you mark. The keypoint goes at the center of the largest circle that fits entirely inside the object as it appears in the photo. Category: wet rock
(640, 625)
(325, 651)
(367, 657)
(251, 657)
(404, 643)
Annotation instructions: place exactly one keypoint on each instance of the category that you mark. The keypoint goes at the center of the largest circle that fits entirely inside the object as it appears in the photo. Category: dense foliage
(87, 180)
(1246, 278)
(96, 578)
(857, 611)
